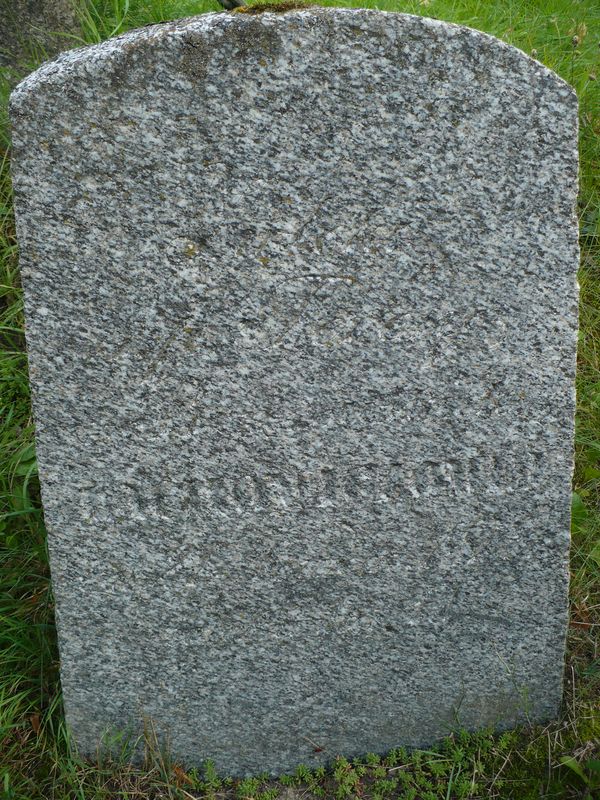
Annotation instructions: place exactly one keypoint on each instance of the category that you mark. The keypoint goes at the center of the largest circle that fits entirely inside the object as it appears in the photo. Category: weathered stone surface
(301, 311)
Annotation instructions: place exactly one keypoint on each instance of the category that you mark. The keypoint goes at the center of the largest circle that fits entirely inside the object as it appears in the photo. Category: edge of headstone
(64, 66)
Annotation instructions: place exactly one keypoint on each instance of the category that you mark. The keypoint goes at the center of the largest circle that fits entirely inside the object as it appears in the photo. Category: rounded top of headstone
(250, 37)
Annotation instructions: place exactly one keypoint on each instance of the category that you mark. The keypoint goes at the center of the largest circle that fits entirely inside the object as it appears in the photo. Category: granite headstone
(301, 313)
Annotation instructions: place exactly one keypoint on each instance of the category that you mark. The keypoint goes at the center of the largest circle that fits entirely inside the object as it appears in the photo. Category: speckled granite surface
(301, 312)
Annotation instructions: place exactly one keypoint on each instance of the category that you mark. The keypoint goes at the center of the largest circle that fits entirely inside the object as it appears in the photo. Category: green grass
(38, 761)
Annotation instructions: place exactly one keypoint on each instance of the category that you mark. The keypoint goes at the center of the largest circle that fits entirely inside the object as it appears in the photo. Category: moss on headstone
(274, 8)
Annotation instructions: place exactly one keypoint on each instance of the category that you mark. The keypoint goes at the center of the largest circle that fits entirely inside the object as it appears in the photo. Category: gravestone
(301, 316)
